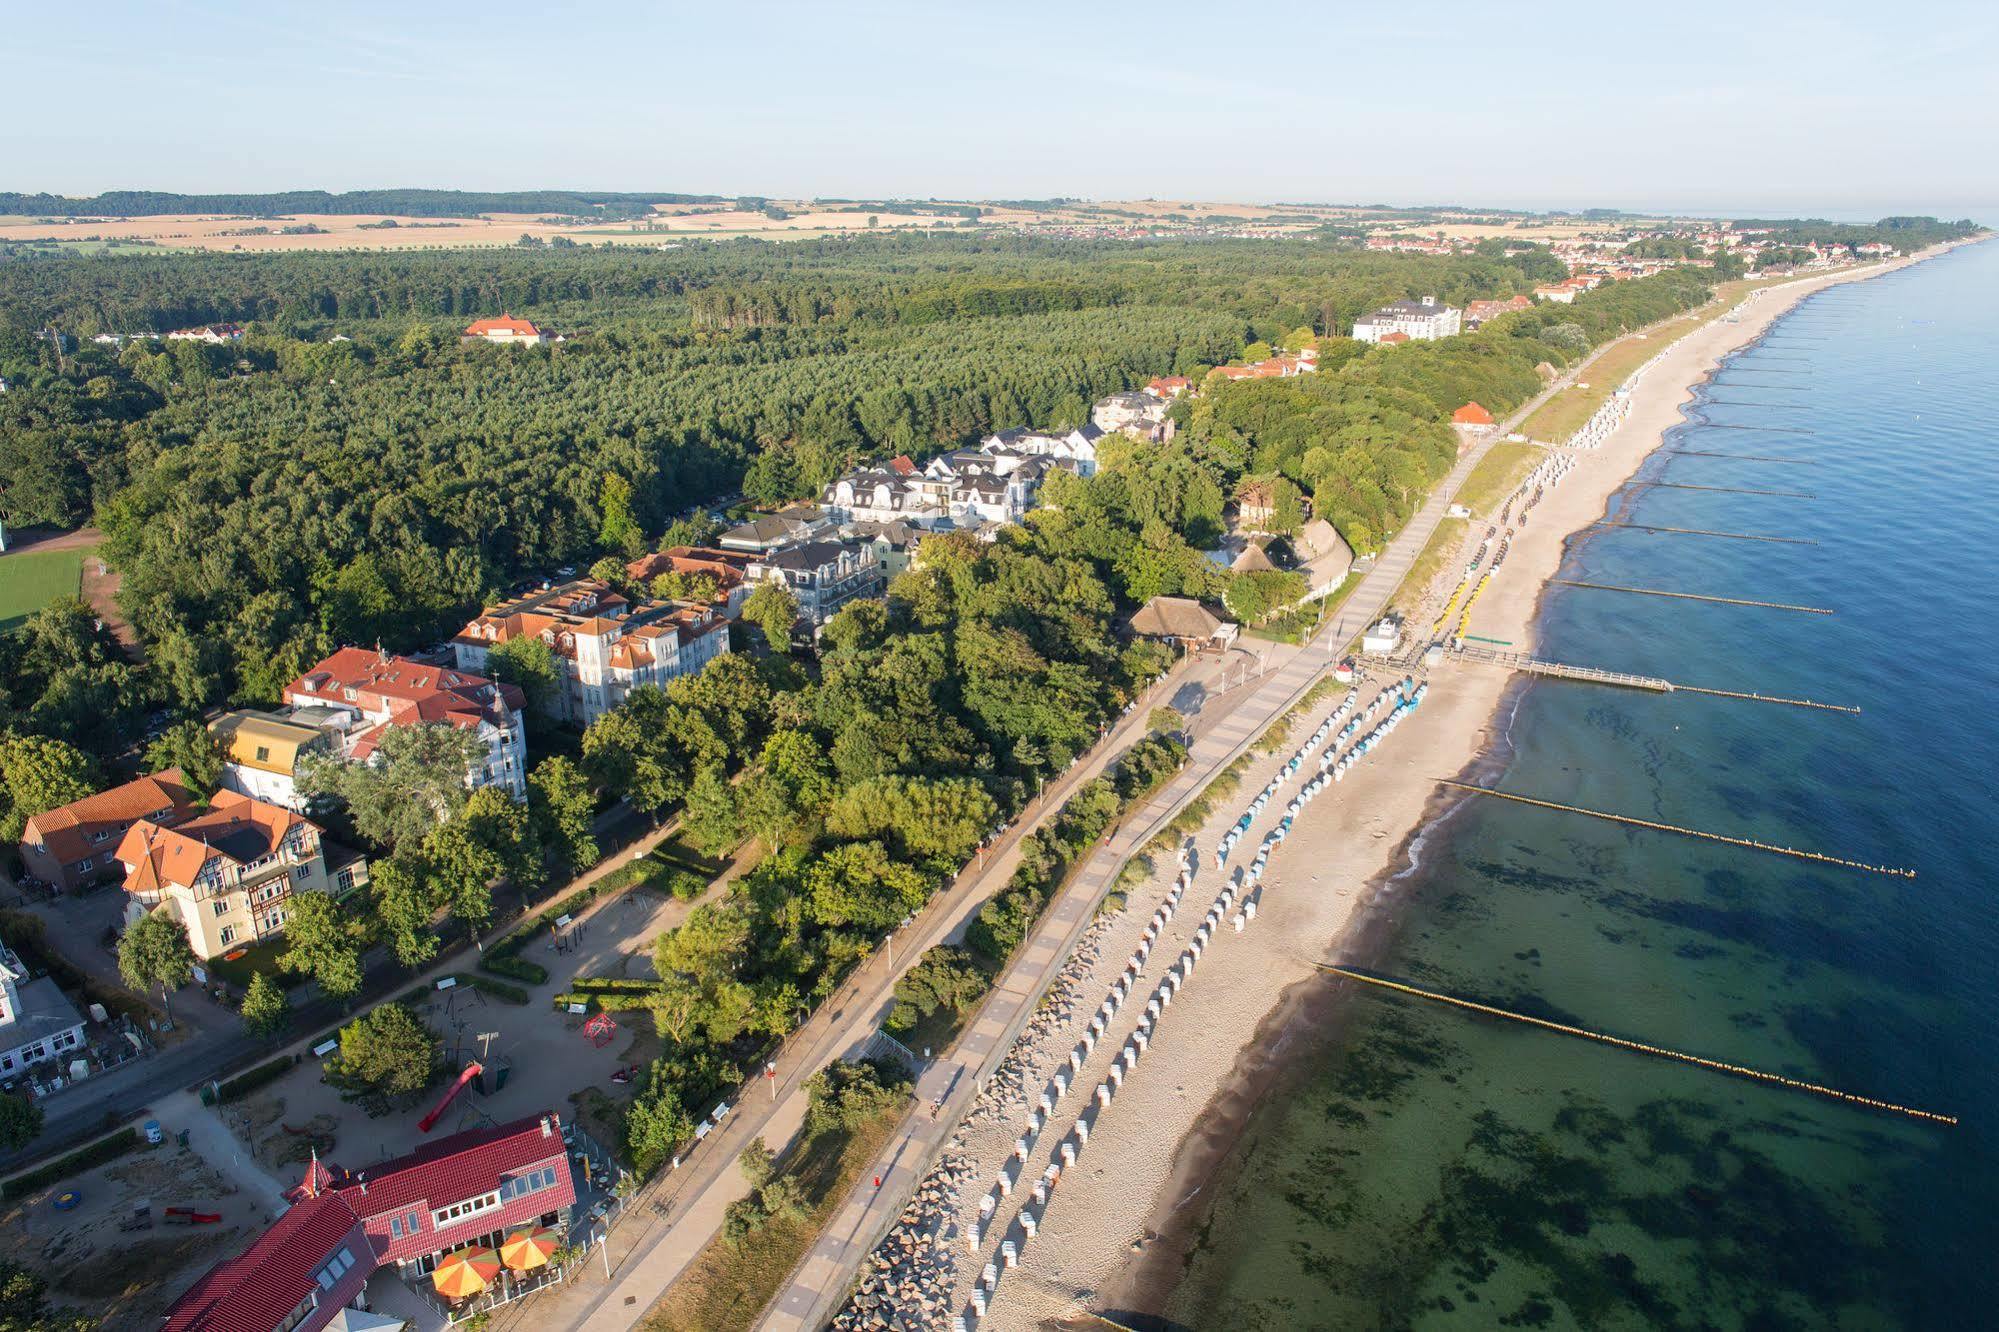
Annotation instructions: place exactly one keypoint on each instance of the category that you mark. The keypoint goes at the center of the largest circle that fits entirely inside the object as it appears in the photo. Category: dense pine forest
(349, 473)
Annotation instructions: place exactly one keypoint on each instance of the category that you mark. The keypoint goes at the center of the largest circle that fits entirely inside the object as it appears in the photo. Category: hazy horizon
(1704, 109)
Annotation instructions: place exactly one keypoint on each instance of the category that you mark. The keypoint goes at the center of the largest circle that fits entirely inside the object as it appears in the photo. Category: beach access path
(822, 1279)
(677, 1217)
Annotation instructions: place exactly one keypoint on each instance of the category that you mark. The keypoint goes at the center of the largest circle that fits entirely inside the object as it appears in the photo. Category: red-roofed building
(606, 644)
(506, 330)
(73, 845)
(903, 465)
(1395, 339)
(469, 1189)
(1478, 312)
(1169, 386)
(228, 874)
(1471, 416)
(361, 692)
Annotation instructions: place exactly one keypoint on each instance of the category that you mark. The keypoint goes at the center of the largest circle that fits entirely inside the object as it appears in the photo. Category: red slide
(429, 1121)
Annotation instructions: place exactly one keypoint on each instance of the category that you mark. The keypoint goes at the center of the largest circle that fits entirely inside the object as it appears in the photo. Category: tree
(415, 781)
(531, 664)
(154, 951)
(857, 883)
(710, 817)
(36, 775)
(24, 1305)
(757, 1163)
(619, 529)
(388, 1049)
(708, 946)
(191, 747)
(562, 811)
(321, 942)
(405, 906)
(773, 609)
(1164, 719)
(20, 1121)
(656, 1121)
(265, 1008)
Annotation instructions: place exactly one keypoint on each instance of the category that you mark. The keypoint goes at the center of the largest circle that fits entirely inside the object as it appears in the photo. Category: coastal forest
(349, 472)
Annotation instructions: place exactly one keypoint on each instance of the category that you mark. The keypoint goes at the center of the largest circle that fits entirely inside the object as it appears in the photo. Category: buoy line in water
(1640, 1047)
(1691, 596)
(1749, 843)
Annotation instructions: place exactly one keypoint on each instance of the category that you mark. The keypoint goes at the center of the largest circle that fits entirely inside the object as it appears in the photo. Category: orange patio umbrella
(529, 1248)
(465, 1273)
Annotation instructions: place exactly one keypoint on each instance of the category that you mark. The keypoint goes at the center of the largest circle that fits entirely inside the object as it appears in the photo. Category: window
(531, 1182)
(413, 1223)
(459, 1211)
(302, 873)
(221, 906)
(83, 866)
(228, 935)
(263, 753)
(336, 1267)
(395, 1227)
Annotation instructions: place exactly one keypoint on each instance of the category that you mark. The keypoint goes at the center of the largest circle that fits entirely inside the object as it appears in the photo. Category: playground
(122, 1241)
(531, 1058)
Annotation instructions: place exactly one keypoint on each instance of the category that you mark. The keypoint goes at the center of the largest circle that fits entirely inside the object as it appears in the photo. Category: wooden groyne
(1773, 430)
(1641, 1047)
(1769, 698)
(1728, 490)
(1701, 531)
(1740, 457)
(1746, 842)
(1692, 596)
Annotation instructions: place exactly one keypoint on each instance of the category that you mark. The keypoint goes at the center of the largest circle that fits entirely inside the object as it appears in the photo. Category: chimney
(545, 1132)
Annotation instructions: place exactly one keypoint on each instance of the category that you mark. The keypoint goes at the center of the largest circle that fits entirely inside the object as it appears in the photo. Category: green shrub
(505, 993)
(84, 1158)
(243, 1084)
(514, 968)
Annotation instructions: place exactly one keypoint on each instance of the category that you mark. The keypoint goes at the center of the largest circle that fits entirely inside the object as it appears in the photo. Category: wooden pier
(1556, 670)
(1559, 670)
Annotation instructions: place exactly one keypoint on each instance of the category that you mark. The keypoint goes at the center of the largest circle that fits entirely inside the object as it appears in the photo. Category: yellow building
(261, 754)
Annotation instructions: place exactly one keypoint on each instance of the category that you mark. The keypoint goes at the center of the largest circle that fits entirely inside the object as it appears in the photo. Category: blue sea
(1417, 1166)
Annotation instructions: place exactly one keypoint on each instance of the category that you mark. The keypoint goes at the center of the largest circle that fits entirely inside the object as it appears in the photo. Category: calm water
(1433, 1170)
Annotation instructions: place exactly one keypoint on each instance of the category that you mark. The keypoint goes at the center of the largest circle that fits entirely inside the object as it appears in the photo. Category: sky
(1746, 107)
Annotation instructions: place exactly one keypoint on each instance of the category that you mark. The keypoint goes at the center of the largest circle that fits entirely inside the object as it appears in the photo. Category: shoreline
(1124, 1233)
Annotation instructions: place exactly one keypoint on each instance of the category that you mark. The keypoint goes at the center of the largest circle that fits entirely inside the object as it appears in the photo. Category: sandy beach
(1108, 1238)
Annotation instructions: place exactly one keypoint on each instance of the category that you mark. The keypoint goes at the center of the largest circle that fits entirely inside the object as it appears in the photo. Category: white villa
(1416, 321)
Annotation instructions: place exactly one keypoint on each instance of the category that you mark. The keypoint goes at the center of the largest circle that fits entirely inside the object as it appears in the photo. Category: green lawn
(727, 1285)
(31, 579)
(1496, 475)
(1564, 414)
(1441, 543)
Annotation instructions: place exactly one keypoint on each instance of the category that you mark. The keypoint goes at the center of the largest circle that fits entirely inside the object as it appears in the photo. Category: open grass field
(1496, 475)
(1443, 543)
(1564, 414)
(728, 1285)
(31, 579)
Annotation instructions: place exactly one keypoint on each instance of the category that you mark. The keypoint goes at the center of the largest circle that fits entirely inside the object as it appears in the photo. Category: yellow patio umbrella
(465, 1273)
(529, 1248)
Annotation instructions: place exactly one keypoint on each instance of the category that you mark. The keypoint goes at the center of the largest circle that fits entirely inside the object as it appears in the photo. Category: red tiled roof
(257, 1289)
(902, 465)
(237, 829)
(67, 829)
(506, 323)
(1471, 414)
(453, 1170)
(402, 692)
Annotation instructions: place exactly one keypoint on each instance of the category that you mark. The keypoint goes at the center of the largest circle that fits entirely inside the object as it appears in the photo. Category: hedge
(598, 984)
(511, 994)
(514, 968)
(244, 1084)
(609, 1001)
(84, 1158)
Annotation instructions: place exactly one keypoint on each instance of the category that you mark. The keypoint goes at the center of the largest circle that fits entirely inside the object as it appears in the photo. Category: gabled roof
(403, 692)
(506, 323)
(258, 1289)
(452, 1169)
(67, 829)
(1471, 414)
(236, 828)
